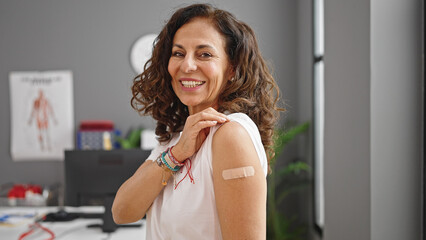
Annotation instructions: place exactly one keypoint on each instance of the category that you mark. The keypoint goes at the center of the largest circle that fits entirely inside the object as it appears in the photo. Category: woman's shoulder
(239, 116)
(229, 139)
(230, 130)
(238, 128)
(244, 120)
(238, 137)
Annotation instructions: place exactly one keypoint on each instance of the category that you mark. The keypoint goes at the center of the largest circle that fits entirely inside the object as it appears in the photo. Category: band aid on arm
(241, 172)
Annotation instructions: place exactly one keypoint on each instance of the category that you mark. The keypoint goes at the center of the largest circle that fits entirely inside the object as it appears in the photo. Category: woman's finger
(213, 111)
(196, 129)
(207, 116)
(204, 124)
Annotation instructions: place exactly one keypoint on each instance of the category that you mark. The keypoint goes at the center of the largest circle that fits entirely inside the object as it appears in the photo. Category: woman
(214, 100)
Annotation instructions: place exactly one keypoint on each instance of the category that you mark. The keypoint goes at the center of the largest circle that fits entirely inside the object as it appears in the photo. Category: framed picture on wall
(42, 115)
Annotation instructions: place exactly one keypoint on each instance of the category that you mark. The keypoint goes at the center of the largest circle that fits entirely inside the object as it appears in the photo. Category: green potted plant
(286, 179)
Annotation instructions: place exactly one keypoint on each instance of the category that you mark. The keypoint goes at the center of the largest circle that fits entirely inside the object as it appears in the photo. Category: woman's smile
(189, 84)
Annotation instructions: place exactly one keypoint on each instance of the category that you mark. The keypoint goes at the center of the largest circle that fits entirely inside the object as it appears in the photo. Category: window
(318, 82)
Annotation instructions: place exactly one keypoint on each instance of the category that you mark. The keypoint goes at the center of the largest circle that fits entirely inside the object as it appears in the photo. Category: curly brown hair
(253, 90)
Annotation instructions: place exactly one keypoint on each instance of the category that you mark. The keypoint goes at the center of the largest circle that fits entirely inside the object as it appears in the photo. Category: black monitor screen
(92, 177)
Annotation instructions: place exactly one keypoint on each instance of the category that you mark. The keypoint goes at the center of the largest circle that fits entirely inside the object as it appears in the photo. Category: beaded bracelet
(169, 163)
(165, 169)
(170, 154)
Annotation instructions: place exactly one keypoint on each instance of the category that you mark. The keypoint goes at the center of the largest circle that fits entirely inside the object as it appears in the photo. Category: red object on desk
(34, 226)
(35, 189)
(96, 125)
(19, 190)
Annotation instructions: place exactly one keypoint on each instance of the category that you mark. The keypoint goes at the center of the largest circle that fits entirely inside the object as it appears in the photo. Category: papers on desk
(13, 217)
(75, 229)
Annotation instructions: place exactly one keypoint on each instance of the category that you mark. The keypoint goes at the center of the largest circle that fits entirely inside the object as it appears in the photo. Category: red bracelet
(176, 162)
(186, 163)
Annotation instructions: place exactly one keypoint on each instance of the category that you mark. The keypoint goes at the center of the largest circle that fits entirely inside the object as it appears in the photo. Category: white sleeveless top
(189, 211)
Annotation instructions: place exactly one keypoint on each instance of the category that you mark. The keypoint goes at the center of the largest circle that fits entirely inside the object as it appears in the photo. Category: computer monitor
(92, 177)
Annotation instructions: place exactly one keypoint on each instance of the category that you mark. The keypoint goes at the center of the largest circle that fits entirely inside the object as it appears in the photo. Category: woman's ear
(231, 74)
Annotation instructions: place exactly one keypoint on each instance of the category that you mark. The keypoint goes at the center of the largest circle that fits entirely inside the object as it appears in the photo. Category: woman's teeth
(191, 84)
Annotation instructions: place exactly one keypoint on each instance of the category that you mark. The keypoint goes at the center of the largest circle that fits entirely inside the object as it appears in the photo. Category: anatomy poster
(42, 115)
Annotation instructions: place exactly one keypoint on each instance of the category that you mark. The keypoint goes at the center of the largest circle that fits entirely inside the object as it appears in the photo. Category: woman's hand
(195, 131)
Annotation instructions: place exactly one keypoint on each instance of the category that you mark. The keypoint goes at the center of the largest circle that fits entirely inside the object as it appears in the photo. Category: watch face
(141, 51)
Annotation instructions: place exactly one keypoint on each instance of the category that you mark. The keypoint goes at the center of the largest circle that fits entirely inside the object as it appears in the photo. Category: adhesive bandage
(241, 172)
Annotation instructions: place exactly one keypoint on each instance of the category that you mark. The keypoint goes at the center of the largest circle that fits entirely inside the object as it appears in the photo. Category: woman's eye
(206, 55)
(177, 54)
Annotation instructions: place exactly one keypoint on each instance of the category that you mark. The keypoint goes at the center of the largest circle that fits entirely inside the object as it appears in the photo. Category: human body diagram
(42, 112)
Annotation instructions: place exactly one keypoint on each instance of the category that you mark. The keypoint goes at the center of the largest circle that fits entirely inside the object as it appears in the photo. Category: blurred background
(353, 71)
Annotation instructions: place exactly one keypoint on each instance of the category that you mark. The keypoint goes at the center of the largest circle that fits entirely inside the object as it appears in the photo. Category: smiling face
(199, 65)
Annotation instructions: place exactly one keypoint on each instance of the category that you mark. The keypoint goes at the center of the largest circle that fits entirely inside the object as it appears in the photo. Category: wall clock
(141, 51)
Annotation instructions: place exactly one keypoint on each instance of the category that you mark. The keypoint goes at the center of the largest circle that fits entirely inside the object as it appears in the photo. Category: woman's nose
(188, 64)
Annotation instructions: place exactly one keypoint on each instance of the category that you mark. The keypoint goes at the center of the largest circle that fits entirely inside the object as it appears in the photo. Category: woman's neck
(193, 110)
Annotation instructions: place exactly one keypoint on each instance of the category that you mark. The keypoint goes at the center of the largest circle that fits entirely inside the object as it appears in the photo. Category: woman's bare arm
(136, 195)
(241, 202)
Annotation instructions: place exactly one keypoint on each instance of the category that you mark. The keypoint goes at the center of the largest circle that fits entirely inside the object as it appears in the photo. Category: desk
(72, 230)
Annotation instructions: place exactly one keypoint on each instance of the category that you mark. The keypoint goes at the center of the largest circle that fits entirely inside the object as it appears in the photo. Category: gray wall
(396, 113)
(373, 123)
(93, 40)
(305, 103)
(347, 120)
